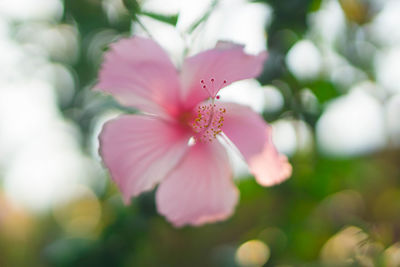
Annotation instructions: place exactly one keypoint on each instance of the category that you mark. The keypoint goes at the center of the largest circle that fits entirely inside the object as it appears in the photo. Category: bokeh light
(252, 253)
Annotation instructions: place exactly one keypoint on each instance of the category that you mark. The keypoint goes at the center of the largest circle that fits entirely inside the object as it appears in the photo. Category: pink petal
(253, 137)
(200, 189)
(138, 73)
(227, 62)
(140, 150)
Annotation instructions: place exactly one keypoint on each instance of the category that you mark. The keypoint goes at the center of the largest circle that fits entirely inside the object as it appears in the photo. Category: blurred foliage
(295, 219)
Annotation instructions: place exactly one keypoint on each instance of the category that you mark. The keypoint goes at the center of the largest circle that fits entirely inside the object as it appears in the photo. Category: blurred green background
(330, 88)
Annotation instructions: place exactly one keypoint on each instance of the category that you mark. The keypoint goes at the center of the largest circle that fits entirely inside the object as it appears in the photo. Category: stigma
(212, 87)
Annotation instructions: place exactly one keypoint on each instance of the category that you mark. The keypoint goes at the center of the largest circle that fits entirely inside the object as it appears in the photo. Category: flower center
(207, 119)
(208, 122)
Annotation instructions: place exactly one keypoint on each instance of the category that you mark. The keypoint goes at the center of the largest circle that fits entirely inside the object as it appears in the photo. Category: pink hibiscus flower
(173, 142)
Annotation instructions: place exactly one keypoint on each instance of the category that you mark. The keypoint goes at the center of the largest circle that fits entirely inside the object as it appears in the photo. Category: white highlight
(351, 125)
(292, 136)
(273, 99)
(387, 69)
(246, 92)
(304, 60)
(385, 25)
(329, 22)
(31, 9)
(232, 20)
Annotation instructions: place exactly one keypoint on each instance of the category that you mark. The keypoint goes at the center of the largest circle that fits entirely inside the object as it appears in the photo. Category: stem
(204, 17)
(143, 27)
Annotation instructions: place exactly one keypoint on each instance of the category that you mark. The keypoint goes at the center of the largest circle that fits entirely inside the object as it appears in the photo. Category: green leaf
(133, 7)
(315, 5)
(170, 19)
(324, 90)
